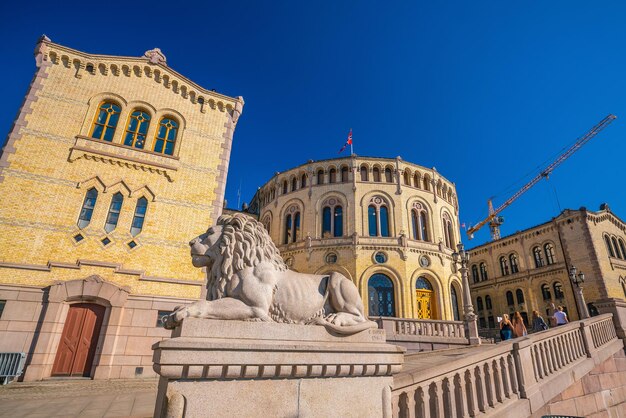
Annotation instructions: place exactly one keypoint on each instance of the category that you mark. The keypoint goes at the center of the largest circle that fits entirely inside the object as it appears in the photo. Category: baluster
(497, 382)
(580, 347)
(557, 353)
(471, 399)
(480, 389)
(538, 362)
(569, 346)
(461, 328)
(449, 398)
(460, 395)
(544, 359)
(550, 357)
(504, 375)
(489, 385)
(512, 373)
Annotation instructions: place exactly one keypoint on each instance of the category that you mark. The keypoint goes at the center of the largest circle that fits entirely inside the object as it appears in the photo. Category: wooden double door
(79, 339)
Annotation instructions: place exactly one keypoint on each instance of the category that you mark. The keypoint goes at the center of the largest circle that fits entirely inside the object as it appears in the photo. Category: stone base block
(247, 369)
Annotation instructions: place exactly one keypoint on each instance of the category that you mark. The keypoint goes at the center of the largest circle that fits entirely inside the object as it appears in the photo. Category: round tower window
(380, 257)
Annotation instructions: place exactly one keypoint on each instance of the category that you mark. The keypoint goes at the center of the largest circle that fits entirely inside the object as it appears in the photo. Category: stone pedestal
(251, 369)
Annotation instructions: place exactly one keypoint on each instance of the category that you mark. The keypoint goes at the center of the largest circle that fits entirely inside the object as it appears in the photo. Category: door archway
(381, 299)
(425, 299)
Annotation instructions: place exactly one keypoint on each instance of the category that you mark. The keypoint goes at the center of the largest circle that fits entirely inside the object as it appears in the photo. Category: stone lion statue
(248, 280)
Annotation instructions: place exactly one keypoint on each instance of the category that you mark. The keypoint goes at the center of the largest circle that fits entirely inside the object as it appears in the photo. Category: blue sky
(487, 92)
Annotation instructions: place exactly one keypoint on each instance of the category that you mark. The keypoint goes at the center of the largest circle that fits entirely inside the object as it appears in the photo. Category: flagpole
(351, 150)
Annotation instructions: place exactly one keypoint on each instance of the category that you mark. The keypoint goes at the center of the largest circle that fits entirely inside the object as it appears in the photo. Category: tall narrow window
(140, 216)
(479, 303)
(285, 187)
(509, 298)
(623, 248)
(376, 174)
(136, 129)
(105, 122)
(426, 183)
(538, 257)
(483, 272)
(288, 229)
(114, 212)
(549, 249)
(419, 222)
(166, 136)
(475, 273)
(333, 175)
(338, 222)
(384, 221)
(326, 222)
(294, 184)
(447, 231)
(292, 225)
(609, 247)
(407, 178)
(504, 266)
(416, 181)
(303, 181)
(618, 253)
(320, 176)
(344, 174)
(87, 210)
(514, 266)
(363, 173)
(488, 302)
(372, 220)
(558, 290)
(415, 224)
(545, 292)
(388, 175)
(296, 227)
(519, 295)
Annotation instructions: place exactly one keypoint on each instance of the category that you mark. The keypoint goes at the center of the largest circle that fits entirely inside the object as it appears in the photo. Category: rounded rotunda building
(388, 225)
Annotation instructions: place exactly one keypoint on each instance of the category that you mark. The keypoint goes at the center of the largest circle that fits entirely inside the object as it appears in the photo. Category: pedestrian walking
(560, 317)
(506, 328)
(519, 328)
(538, 323)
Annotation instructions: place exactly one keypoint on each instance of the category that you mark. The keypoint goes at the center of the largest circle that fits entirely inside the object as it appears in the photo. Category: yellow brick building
(388, 225)
(111, 166)
(529, 270)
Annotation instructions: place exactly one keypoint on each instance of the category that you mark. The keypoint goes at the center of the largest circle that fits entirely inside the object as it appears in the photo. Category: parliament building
(111, 166)
(388, 225)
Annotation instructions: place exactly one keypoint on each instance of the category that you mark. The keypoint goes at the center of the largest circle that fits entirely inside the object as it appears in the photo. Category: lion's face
(204, 247)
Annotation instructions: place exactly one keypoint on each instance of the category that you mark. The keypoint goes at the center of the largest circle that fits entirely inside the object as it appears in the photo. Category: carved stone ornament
(156, 56)
(248, 280)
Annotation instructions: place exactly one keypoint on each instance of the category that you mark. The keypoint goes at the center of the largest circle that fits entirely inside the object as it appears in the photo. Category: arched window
(303, 181)
(87, 209)
(558, 290)
(165, 138)
(488, 302)
(426, 182)
(292, 225)
(538, 257)
(447, 231)
(419, 222)
(288, 229)
(267, 223)
(416, 181)
(479, 303)
(381, 296)
(609, 247)
(105, 122)
(618, 253)
(545, 292)
(344, 174)
(504, 266)
(294, 184)
(285, 187)
(114, 212)
(139, 216)
(137, 129)
(519, 295)
(455, 303)
(363, 173)
(407, 177)
(388, 175)
(483, 272)
(320, 176)
(378, 217)
(509, 298)
(513, 261)
(549, 249)
(333, 175)
(622, 247)
(475, 273)
(332, 218)
(376, 174)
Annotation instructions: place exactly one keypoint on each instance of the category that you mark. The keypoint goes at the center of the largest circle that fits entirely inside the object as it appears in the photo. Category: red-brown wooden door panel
(79, 339)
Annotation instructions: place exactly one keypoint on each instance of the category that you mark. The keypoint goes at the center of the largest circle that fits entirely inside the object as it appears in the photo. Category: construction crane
(495, 220)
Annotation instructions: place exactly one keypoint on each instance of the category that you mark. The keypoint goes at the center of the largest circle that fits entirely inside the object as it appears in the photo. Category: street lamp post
(578, 280)
(461, 259)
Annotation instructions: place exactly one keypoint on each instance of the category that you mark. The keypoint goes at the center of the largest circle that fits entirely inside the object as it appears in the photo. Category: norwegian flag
(348, 142)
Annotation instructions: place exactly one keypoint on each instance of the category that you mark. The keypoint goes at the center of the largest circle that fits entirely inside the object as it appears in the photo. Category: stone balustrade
(423, 334)
(514, 378)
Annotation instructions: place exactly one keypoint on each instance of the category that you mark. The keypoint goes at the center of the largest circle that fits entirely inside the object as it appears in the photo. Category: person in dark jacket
(538, 323)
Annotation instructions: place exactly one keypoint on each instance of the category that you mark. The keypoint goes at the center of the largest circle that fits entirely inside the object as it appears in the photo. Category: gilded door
(425, 299)
(78, 340)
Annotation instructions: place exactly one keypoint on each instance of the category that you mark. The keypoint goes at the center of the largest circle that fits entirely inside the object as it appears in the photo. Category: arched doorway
(79, 339)
(425, 298)
(381, 296)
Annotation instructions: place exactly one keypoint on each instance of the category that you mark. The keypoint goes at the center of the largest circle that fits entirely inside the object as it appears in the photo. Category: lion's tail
(347, 329)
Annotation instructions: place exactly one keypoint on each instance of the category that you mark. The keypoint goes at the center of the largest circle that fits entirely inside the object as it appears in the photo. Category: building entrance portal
(77, 347)
(425, 298)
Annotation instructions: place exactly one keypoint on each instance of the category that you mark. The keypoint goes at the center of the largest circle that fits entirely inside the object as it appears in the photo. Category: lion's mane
(244, 243)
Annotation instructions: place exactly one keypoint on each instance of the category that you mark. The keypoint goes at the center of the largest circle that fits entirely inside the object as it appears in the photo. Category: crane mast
(495, 221)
